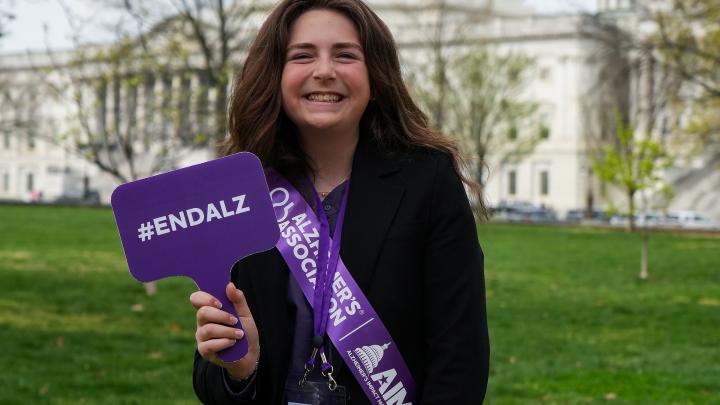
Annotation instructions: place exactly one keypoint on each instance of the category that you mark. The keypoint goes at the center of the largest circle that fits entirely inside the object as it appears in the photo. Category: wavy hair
(258, 124)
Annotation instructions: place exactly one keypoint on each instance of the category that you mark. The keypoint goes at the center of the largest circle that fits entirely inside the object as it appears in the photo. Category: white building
(556, 174)
(32, 166)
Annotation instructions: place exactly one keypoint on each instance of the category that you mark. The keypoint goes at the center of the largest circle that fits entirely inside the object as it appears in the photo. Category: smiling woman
(325, 85)
(375, 291)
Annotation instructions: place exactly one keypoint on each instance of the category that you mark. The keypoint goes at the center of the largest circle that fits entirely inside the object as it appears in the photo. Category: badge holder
(314, 393)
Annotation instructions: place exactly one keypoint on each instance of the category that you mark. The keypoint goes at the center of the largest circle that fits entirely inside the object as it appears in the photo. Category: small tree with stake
(633, 163)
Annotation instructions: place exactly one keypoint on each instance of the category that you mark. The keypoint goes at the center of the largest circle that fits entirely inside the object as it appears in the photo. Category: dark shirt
(303, 320)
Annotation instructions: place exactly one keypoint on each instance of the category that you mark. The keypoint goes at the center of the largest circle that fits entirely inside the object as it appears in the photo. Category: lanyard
(358, 333)
(327, 260)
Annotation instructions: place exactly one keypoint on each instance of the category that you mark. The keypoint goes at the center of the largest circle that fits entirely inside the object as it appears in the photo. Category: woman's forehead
(336, 45)
(323, 28)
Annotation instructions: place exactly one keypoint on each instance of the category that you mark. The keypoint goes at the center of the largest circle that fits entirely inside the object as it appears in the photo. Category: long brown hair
(258, 124)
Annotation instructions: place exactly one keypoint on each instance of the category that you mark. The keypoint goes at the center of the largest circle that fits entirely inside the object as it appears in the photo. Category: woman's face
(325, 83)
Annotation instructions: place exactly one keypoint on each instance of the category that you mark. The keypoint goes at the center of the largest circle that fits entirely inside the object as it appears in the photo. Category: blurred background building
(531, 97)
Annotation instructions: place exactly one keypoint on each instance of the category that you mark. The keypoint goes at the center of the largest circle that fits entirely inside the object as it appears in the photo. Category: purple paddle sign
(197, 222)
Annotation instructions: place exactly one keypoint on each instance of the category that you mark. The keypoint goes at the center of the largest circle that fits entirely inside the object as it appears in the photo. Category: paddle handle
(216, 288)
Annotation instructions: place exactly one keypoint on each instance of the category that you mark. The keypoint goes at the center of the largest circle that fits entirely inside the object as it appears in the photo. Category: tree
(683, 39)
(5, 16)
(158, 92)
(441, 26)
(688, 39)
(486, 105)
(215, 31)
(121, 122)
(632, 84)
(472, 91)
(6, 98)
(633, 164)
(605, 97)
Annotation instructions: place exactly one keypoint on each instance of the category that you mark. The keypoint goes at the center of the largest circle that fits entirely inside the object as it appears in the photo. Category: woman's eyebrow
(341, 45)
(338, 45)
(304, 45)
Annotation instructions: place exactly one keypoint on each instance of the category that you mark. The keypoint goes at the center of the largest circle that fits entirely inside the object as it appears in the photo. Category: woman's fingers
(212, 331)
(238, 299)
(208, 314)
(209, 348)
(200, 299)
(251, 333)
(216, 329)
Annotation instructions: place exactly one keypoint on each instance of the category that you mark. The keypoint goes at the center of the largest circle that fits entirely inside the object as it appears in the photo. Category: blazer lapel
(372, 205)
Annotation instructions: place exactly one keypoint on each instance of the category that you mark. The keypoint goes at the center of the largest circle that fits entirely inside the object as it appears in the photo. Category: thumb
(238, 299)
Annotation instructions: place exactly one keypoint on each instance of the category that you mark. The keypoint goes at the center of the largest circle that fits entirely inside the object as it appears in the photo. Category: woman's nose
(324, 69)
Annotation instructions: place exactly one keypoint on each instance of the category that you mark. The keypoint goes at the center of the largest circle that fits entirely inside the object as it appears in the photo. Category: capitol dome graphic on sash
(370, 356)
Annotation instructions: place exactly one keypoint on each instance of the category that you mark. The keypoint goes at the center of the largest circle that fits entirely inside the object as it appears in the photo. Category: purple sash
(353, 326)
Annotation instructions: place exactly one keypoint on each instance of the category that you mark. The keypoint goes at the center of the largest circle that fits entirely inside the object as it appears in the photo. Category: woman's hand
(216, 331)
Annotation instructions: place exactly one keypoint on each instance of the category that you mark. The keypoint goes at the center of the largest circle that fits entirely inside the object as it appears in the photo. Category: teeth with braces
(332, 98)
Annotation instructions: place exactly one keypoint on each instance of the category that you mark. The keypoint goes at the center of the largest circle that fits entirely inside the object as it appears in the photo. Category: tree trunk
(440, 74)
(644, 236)
(220, 114)
(150, 288)
(631, 211)
(480, 166)
(589, 197)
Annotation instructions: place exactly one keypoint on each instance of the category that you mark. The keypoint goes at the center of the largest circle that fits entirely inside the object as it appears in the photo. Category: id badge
(314, 393)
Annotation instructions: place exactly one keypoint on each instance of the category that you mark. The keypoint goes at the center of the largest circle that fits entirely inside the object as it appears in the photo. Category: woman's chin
(324, 125)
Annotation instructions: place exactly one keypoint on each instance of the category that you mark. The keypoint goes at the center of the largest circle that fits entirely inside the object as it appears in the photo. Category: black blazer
(410, 241)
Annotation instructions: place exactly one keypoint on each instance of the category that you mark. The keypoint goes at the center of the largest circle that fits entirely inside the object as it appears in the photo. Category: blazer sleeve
(456, 340)
(212, 385)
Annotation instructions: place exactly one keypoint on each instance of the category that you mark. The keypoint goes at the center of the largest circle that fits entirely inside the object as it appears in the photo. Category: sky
(42, 23)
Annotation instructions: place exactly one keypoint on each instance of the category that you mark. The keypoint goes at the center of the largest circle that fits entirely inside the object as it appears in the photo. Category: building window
(544, 182)
(512, 133)
(545, 73)
(148, 107)
(512, 182)
(6, 140)
(30, 182)
(184, 127)
(101, 106)
(166, 105)
(6, 182)
(544, 132)
(31, 139)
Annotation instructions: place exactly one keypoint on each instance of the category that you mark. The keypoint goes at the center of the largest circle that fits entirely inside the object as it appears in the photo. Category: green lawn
(570, 323)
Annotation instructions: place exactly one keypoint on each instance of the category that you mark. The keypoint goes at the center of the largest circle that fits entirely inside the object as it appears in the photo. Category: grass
(570, 322)
(75, 326)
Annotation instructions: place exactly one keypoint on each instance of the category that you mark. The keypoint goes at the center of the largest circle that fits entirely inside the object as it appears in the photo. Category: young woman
(321, 101)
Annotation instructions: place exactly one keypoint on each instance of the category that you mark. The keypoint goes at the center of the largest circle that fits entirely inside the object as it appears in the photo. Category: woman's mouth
(324, 97)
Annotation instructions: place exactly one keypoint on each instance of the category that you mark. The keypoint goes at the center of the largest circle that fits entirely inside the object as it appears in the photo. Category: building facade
(556, 173)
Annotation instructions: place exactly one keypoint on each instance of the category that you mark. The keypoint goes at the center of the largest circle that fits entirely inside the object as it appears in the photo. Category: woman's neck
(331, 157)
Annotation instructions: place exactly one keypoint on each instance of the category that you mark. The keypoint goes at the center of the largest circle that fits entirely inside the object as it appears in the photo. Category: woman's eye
(347, 55)
(300, 56)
